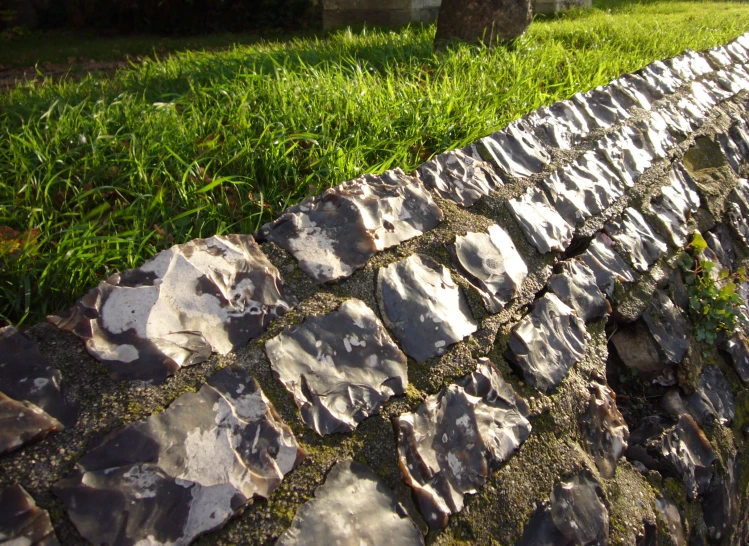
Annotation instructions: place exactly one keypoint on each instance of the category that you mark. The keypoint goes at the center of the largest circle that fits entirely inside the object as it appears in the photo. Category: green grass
(99, 175)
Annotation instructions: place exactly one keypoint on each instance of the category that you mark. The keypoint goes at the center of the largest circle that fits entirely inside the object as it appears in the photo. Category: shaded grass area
(99, 175)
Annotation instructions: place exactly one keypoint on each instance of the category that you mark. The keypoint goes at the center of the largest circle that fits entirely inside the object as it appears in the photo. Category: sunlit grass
(97, 176)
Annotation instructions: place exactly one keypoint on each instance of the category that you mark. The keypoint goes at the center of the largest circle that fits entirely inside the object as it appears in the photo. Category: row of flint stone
(203, 459)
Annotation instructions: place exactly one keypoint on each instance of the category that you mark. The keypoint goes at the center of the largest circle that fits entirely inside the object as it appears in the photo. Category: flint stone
(340, 367)
(738, 51)
(637, 89)
(713, 401)
(583, 189)
(547, 343)
(687, 449)
(487, 22)
(602, 107)
(737, 348)
(628, 153)
(637, 239)
(607, 266)
(541, 530)
(450, 444)
(604, 430)
(676, 121)
(731, 152)
(353, 506)
(459, 177)
(656, 138)
(578, 512)
(22, 522)
(184, 471)
(719, 57)
(693, 110)
(564, 123)
(206, 295)
(542, 225)
(721, 505)
(515, 151)
(334, 234)
(676, 204)
(25, 374)
(575, 284)
(493, 266)
(668, 327)
(669, 513)
(738, 210)
(423, 307)
(702, 96)
(22, 423)
(719, 241)
(658, 75)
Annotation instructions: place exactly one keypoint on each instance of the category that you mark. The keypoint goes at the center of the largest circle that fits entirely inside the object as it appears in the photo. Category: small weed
(714, 305)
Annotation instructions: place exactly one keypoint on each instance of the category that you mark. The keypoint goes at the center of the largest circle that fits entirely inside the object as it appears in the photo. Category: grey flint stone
(547, 343)
(578, 512)
(713, 400)
(564, 123)
(22, 522)
(733, 80)
(694, 111)
(738, 210)
(22, 423)
(541, 530)
(449, 446)
(515, 151)
(675, 205)
(492, 265)
(334, 234)
(601, 106)
(638, 350)
(583, 188)
(719, 57)
(637, 90)
(604, 430)
(669, 512)
(542, 225)
(721, 506)
(659, 75)
(25, 374)
(575, 285)
(423, 307)
(719, 241)
(607, 266)
(737, 349)
(687, 449)
(637, 239)
(353, 506)
(459, 177)
(738, 51)
(678, 123)
(731, 152)
(668, 327)
(656, 138)
(628, 153)
(719, 92)
(340, 367)
(689, 65)
(700, 95)
(184, 471)
(208, 295)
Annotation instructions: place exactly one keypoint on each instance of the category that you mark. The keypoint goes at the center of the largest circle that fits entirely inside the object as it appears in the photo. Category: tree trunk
(483, 21)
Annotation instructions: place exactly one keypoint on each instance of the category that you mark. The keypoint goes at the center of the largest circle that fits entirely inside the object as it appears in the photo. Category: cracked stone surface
(340, 367)
(604, 430)
(563, 123)
(334, 234)
(22, 522)
(423, 307)
(22, 423)
(184, 471)
(601, 106)
(578, 512)
(208, 295)
(514, 151)
(353, 506)
(450, 444)
(637, 239)
(628, 153)
(26, 375)
(637, 89)
(459, 177)
(575, 285)
(583, 189)
(542, 225)
(547, 343)
(607, 265)
(668, 327)
(657, 74)
(713, 400)
(492, 265)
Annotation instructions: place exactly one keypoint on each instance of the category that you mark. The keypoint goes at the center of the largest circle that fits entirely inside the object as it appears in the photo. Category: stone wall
(500, 348)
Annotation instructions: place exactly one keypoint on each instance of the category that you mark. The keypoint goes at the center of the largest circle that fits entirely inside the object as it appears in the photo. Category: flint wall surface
(572, 293)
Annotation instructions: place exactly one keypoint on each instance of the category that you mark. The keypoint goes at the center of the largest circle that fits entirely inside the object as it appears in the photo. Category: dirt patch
(74, 70)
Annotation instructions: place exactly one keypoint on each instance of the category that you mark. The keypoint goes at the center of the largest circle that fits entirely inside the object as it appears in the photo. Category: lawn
(100, 174)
